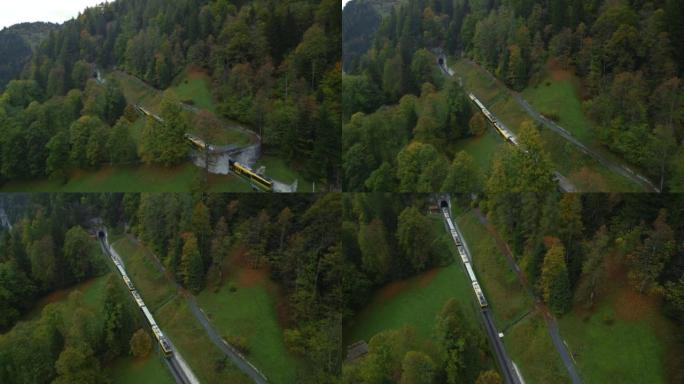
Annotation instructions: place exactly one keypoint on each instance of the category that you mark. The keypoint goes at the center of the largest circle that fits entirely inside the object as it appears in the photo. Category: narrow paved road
(534, 114)
(551, 324)
(236, 357)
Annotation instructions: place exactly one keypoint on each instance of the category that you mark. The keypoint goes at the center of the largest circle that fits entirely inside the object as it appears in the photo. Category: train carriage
(471, 273)
(163, 342)
(480, 295)
(129, 283)
(148, 316)
(464, 256)
(255, 178)
(457, 239)
(138, 299)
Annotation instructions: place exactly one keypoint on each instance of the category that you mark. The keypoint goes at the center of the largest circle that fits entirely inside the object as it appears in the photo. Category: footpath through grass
(527, 340)
(416, 301)
(250, 312)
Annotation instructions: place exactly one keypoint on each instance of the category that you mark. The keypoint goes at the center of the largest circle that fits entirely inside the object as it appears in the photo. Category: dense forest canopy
(274, 65)
(565, 241)
(627, 54)
(16, 47)
(295, 237)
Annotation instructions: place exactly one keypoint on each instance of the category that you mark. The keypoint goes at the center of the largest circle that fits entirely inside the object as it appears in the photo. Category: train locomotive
(464, 258)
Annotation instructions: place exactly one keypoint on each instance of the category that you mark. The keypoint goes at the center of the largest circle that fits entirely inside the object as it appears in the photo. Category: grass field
(92, 289)
(250, 312)
(624, 338)
(482, 148)
(128, 370)
(152, 284)
(416, 301)
(585, 172)
(557, 93)
(199, 352)
(529, 345)
(526, 338)
(142, 178)
(276, 168)
(192, 87)
(508, 300)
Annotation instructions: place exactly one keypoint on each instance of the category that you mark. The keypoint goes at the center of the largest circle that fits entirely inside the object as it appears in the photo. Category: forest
(296, 238)
(626, 54)
(568, 246)
(16, 47)
(388, 237)
(274, 66)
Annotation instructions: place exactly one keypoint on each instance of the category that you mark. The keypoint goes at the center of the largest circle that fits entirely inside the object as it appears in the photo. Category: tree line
(70, 340)
(388, 237)
(625, 54)
(565, 242)
(274, 66)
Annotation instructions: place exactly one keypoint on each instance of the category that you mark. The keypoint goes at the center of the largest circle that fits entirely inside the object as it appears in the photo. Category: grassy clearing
(152, 284)
(557, 93)
(529, 345)
(416, 301)
(128, 370)
(193, 88)
(199, 352)
(277, 169)
(507, 298)
(527, 341)
(141, 178)
(586, 173)
(250, 312)
(92, 289)
(481, 148)
(625, 338)
(137, 92)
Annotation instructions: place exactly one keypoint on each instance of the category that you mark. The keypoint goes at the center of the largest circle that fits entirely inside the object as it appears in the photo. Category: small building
(356, 351)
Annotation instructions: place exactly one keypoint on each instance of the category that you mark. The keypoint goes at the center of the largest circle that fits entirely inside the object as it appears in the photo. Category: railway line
(613, 166)
(257, 181)
(508, 371)
(177, 366)
(563, 183)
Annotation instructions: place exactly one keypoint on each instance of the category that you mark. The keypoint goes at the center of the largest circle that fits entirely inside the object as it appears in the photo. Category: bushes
(238, 342)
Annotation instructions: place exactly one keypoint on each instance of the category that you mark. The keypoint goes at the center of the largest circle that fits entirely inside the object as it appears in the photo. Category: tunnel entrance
(440, 61)
(100, 234)
(444, 204)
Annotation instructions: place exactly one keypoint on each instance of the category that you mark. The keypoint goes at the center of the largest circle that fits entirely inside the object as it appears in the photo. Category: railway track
(180, 371)
(505, 364)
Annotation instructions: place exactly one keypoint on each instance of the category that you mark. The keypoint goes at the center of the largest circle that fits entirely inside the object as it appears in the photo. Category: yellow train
(259, 181)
